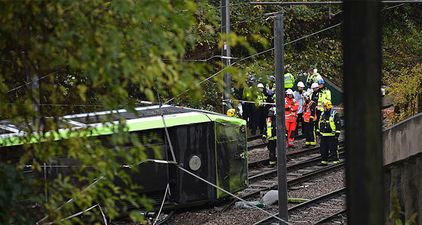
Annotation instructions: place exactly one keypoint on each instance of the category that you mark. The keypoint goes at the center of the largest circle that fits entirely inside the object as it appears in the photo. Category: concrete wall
(403, 166)
(403, 140)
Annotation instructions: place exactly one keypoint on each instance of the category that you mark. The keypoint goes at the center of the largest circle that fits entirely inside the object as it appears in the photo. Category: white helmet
(289, 92)
(314, 85)
(300, 84)
(260, 85)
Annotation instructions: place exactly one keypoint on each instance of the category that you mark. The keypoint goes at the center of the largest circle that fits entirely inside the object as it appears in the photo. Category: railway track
(264, 143)
(261, 185)
(319, 210)
(338, 217)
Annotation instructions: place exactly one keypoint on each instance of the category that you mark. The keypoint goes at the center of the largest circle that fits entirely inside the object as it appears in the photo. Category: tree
(98, 55)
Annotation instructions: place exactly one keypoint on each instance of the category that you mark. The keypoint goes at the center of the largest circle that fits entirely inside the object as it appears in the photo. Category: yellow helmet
(231, 112)
(328, 104)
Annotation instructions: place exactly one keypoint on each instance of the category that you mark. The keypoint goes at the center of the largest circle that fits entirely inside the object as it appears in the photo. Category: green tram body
(210, 145)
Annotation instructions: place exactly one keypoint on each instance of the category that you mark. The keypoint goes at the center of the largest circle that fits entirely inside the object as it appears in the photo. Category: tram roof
(104, 122)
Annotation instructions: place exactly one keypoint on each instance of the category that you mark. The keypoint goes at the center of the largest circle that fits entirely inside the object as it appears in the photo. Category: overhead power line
(328, 2)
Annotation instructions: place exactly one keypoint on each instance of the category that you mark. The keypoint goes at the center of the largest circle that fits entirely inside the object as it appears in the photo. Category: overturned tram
(209, 145)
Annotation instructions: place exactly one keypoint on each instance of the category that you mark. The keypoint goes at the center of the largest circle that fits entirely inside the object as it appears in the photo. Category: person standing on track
(298, 95)
(271, 135)
(314, 98)
(291, 107)
(260, 112)
(309, 115)
(329, 128)
(324, 94)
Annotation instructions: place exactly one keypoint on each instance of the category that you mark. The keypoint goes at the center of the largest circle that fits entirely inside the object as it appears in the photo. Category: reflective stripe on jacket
(329, 123)
(260, 99)
(291, 107)
(271, 128)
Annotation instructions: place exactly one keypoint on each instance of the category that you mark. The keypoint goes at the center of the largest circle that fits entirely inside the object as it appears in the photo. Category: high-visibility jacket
(323, 95)
(309, 111)
(271, 128)
(247, 94)
(260, 99)
(329, 123)
(289, 80)
(290, 106)
(313, 78)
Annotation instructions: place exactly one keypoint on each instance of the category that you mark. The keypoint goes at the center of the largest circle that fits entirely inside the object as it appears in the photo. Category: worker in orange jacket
(291, 106)
(309, 117)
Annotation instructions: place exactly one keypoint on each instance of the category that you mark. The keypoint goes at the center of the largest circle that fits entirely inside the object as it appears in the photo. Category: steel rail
(307, 203)
(297, 180)
(330, 217)
(292, 154)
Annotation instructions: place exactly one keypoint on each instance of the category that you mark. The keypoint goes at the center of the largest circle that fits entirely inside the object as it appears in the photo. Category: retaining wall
(402, 145)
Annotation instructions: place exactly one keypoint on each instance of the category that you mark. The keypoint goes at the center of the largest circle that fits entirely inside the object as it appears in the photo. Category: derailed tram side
(209, 145)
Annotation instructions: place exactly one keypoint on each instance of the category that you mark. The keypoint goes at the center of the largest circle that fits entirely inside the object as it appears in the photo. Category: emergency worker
(314, 98)
(324, 94)
(271, 135)
(258, 119)
(313, 77)
(248, 108)
(298, 95)
(289, 79)
(290, 107)
(270, 89)
(329, 128)
(309, 115)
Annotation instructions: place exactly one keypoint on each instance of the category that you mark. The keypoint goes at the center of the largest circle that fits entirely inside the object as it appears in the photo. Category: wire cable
(162, 203)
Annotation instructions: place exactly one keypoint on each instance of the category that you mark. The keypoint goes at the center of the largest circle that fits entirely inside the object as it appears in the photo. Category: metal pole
(362, 83)
(280, 117)
(225, 27)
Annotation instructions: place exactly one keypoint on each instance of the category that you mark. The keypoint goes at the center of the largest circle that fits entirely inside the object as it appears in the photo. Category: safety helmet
(315, 70)
(321, 81)
(272, 78)
(300, 84)
(260, 85)
(231, 112)
(289, 92)
(314, 85)
(328, 104)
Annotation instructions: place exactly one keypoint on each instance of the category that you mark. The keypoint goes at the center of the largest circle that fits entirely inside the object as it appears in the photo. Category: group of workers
(309, 109)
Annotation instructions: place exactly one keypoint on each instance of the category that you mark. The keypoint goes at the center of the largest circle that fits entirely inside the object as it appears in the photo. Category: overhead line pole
(362, 84)
(225, 28)
(280, 116)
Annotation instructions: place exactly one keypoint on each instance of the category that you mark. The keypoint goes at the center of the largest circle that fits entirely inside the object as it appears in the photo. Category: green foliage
(99, 55)
(395, 217)
(406, 90)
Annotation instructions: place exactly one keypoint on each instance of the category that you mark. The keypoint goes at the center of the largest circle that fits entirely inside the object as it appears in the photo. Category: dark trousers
(258, 119)
(299, 120)
(248, 114)
(309, 131)
(271, 145)
(328, 148)
(318, 115)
